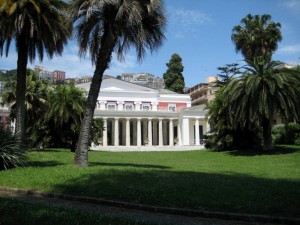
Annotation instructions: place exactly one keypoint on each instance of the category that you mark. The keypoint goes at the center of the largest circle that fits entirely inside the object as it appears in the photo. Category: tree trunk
(267, 134)
(21, 88)
(102, 63)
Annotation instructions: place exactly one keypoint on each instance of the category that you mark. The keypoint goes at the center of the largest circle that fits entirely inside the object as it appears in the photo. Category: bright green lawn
(222, 181)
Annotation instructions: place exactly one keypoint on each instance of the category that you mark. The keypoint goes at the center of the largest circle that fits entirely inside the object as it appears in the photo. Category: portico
(139, 131)
(135, 116)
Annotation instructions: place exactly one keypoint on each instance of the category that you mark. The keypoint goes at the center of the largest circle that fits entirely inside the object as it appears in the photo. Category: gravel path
(157, 218)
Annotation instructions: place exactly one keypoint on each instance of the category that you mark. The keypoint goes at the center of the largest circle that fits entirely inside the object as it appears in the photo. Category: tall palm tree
(36, 100)
(67, 104)
(65, 115)
(105, 26)
(36, 26)
(263, 92)
(259, 36)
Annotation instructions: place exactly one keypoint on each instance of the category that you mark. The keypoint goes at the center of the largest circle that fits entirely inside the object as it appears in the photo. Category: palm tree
(36, 100)
(263, 92)
(105, 26)
(65, 115)
(258, 37)
(36, 26)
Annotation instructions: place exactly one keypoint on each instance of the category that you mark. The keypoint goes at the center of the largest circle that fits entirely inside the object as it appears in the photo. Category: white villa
(138, 117)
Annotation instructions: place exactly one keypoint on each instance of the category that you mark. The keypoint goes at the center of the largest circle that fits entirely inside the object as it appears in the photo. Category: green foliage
(287, 134)
(53, 113)
(97, 131)
(262, 93)
(12, 154)
(174, 80)
(35, 27)
(259, 36)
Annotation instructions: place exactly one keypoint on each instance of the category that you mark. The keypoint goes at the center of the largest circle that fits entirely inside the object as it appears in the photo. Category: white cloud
(118, 67)
(72, 64)
(190, 17)
(185, 21)
(291, 4)
(289, 49)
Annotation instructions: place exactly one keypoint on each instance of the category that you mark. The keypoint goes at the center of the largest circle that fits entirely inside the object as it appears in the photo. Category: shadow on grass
(231, 192)
(278, 150)
(129, 165)
(48, 150)
(44, 164)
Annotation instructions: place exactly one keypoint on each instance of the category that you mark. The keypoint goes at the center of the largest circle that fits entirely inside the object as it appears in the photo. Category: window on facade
(129, 107)
(146, 107)
(111, 106)
(172, 108)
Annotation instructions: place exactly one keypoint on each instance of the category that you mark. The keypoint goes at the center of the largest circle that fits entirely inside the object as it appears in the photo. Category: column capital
(138, 119)
(171, 119)
(116, 118)
(160, 119)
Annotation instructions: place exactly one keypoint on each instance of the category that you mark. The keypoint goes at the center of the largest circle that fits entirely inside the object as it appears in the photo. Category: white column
(154, 106)
(160, 131)
(137, 106)
(104, 131)
(197, 140)
(185, 134)
(120, 105)
(116, 131)
(138, 127)
(150, 132)
(171, 133)
(102, 105)
(179, 133)
(155, 132)
(127, 132)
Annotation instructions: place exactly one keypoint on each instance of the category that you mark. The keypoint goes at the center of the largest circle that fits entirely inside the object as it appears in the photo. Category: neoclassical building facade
(135, 115)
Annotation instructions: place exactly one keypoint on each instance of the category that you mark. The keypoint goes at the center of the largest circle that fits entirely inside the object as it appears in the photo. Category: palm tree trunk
(267, 134)
(103, 60)
(21, 89)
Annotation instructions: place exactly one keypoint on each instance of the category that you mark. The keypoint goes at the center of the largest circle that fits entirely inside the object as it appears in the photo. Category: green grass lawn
(256, 183)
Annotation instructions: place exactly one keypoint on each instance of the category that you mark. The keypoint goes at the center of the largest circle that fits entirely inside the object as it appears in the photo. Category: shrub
(12, 154)
(297, 141)
(287, 134)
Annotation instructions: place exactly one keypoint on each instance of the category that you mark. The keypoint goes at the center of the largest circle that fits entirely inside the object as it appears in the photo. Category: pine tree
(174, 79)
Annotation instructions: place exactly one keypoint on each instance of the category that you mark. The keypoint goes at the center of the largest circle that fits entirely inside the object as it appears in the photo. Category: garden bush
(12, 154)
(288, 134)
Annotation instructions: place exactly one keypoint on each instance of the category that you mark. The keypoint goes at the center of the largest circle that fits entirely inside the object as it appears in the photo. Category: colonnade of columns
(147, 131)
(138, 131)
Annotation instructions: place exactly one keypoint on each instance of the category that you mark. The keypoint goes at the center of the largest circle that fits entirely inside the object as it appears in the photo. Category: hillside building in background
(55, 76)
(136, 116)
(58, 76)
(145, 79)
(203, 92)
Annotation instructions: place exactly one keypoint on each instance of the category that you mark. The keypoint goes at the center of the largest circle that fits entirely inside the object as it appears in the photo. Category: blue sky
(200, 32)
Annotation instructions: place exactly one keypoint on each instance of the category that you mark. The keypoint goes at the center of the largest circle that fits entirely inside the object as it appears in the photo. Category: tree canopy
(102, 27)
(36, 26)
(258, 36)
(174, 80)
